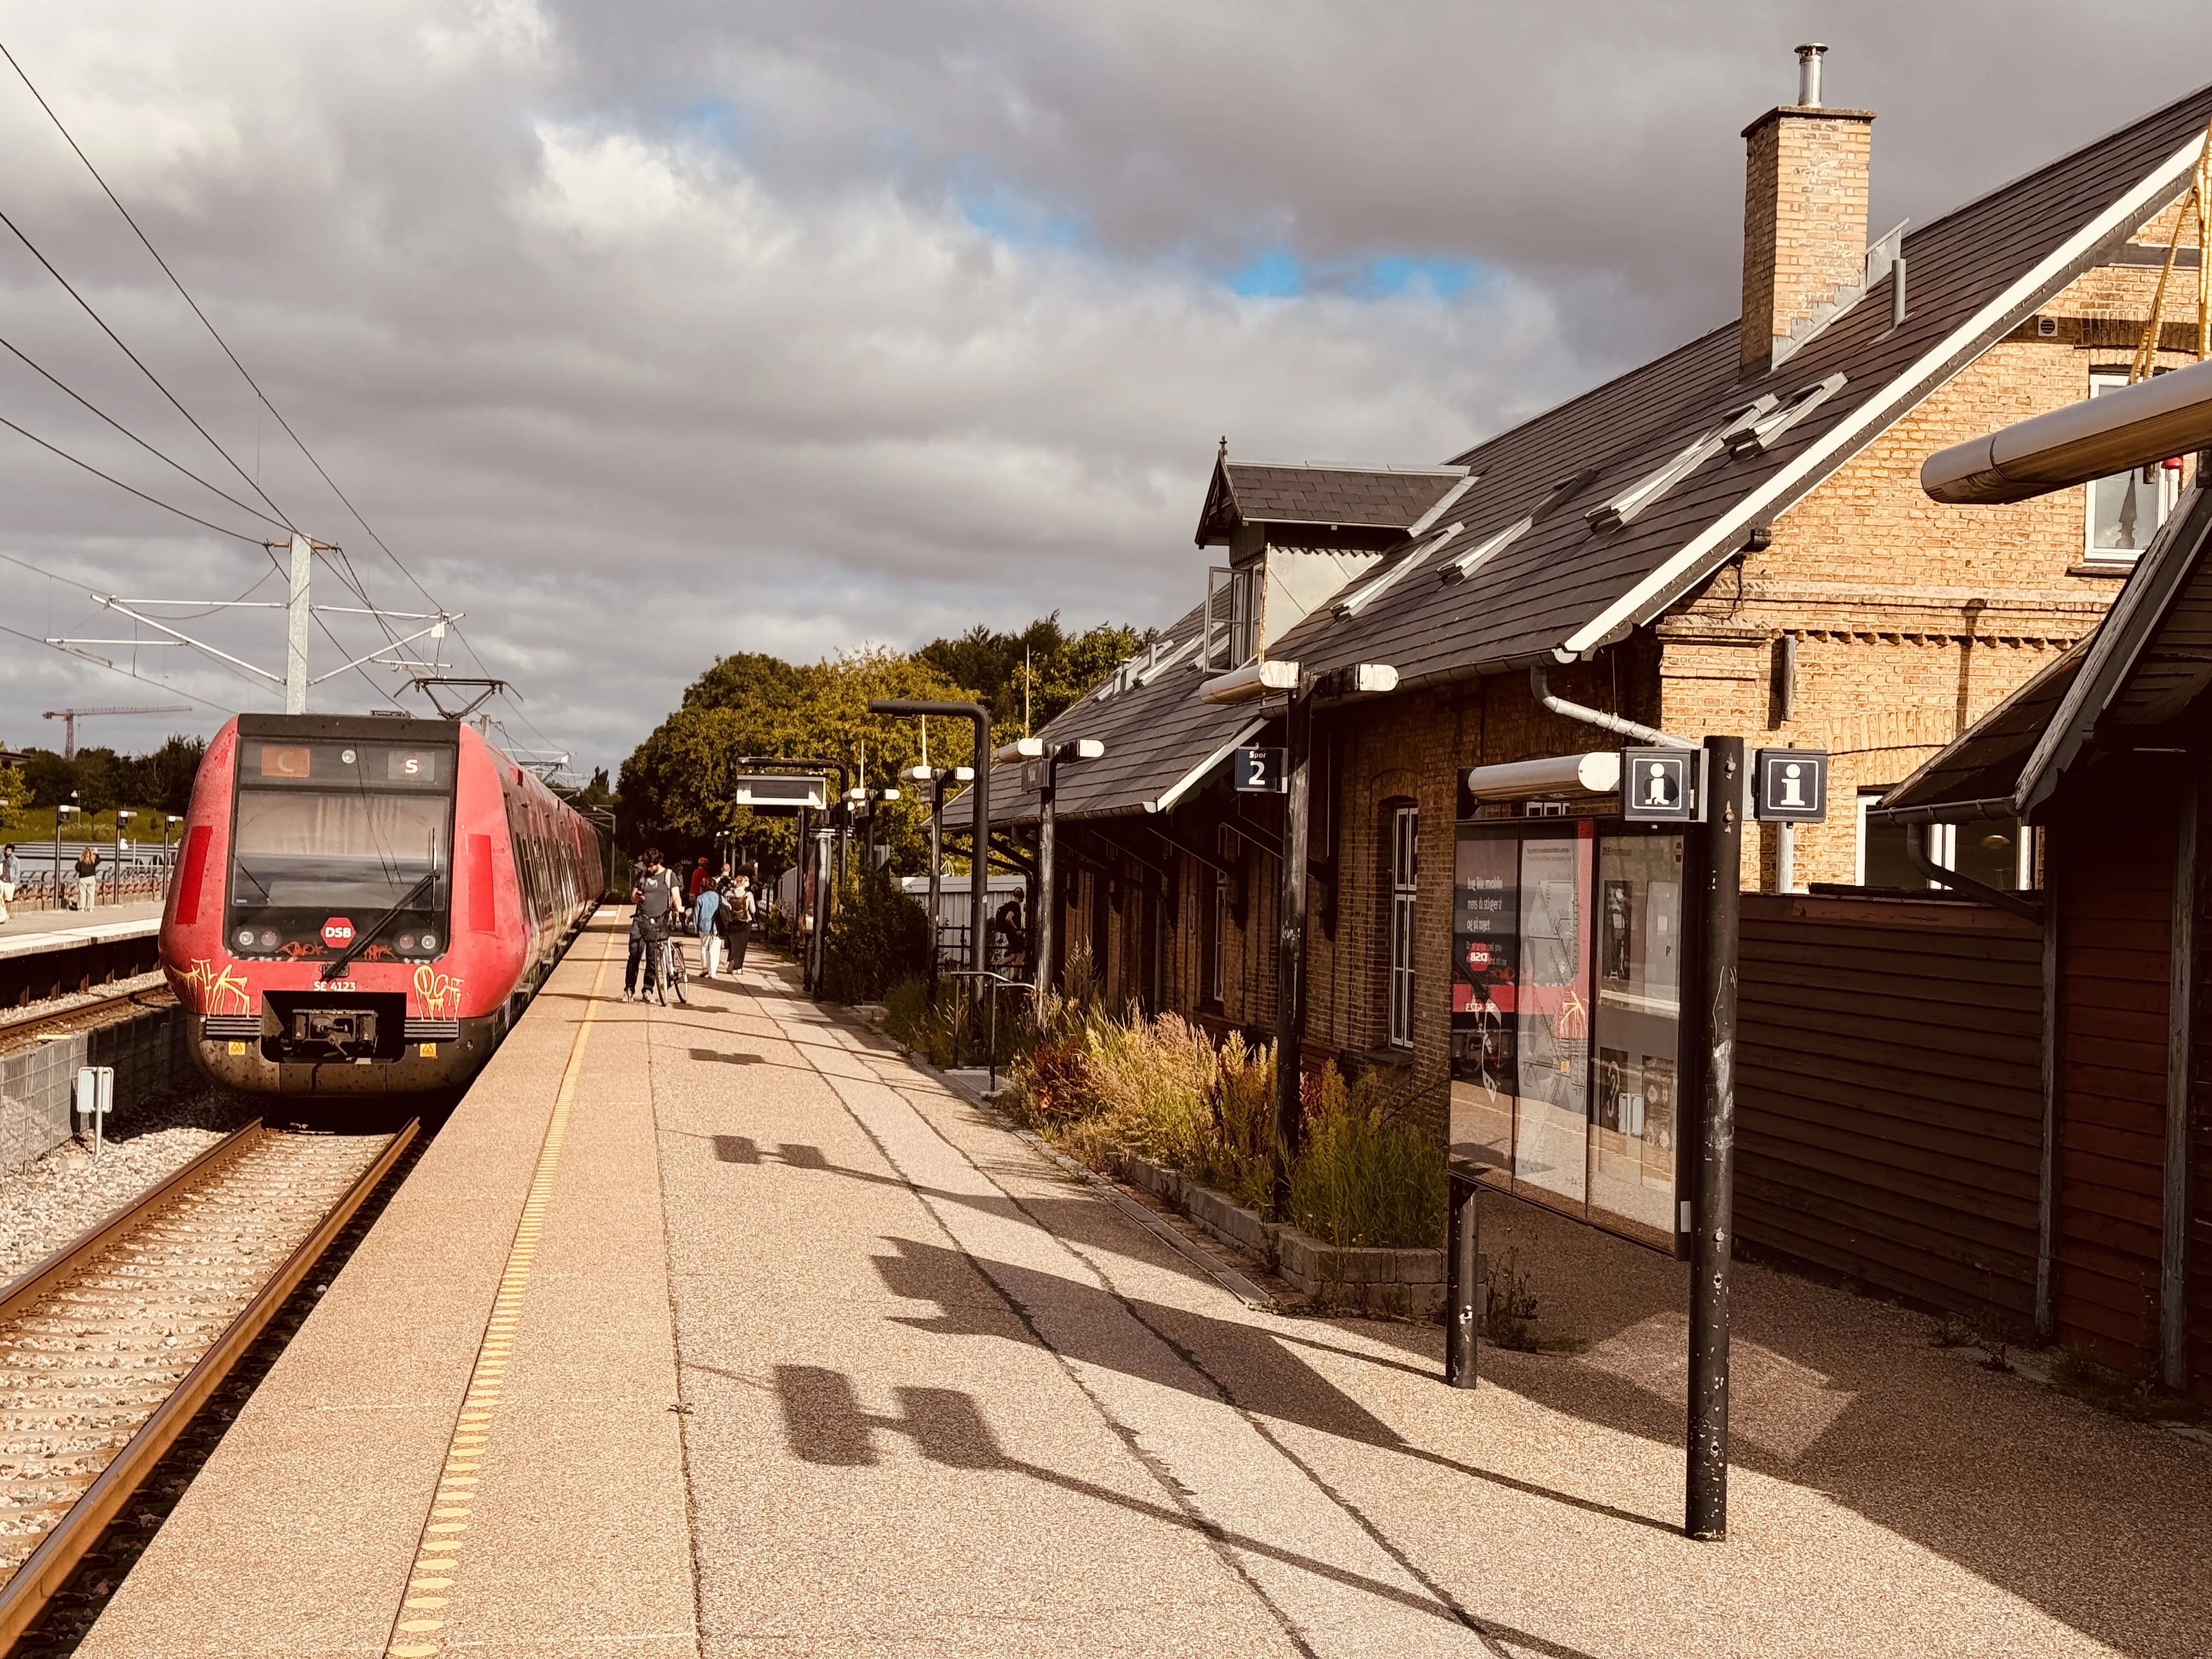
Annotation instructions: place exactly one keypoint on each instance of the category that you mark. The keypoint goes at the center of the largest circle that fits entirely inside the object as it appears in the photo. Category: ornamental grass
(1160, 1088)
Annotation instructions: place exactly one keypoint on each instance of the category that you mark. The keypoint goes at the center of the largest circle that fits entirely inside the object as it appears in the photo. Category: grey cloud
(652, 332)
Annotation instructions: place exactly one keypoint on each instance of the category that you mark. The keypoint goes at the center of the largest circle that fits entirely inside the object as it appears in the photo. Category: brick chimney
(1804, 216)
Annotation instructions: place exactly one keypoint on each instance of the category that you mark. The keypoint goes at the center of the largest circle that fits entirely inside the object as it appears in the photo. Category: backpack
(656, 907)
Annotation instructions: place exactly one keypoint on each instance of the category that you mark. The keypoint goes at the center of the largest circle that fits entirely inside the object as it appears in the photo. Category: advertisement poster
(1552, 1016)
(1485, 952)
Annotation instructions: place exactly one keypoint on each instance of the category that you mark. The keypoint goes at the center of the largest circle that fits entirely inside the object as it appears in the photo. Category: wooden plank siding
(2112, 865)
(2200, 1118)
(1889, 1102)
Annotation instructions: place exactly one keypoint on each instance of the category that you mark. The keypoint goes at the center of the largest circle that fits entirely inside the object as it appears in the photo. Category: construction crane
(69, 718)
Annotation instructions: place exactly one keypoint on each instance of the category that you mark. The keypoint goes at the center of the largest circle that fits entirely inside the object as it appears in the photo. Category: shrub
(1238, 1156)
(1160, 1089)
(877, 936)
(1364, 1177)
(1151, 1079)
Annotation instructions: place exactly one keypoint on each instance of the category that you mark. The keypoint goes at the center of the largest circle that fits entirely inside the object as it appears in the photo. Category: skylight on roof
(1459, 569)
(1746, 439)
(1359, 600)
(1624, 507)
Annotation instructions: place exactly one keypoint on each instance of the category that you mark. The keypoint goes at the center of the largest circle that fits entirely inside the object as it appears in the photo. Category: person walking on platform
(735, 923)
(87, 878)
(650, 923)
(704, 904)
(8, 879)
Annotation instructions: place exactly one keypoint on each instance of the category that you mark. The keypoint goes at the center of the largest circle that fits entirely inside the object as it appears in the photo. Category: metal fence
(136, 881)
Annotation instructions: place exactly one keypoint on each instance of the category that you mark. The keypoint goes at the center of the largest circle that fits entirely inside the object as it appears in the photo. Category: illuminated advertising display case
(1571, 949)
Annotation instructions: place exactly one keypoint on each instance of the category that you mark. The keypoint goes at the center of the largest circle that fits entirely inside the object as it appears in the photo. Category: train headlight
(246, 938)
(269, 938)
(407, 941)
(429, 941)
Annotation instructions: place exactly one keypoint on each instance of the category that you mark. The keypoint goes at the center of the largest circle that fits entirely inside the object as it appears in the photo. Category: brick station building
(1730, 538)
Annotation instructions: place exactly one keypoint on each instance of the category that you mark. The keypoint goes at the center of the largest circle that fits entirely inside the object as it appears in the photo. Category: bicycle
(672, 975)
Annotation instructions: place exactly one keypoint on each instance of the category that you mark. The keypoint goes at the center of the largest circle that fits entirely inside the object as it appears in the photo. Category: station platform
(725, 1329)
(27, 933)
(50, 953)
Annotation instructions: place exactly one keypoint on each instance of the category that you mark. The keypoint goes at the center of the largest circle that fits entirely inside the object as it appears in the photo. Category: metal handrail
(998, 983)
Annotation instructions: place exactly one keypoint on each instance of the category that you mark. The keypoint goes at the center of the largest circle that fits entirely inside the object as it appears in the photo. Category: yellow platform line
(421, 1615)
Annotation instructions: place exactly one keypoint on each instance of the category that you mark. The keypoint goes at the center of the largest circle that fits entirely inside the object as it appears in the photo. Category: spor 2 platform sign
(1258, 771)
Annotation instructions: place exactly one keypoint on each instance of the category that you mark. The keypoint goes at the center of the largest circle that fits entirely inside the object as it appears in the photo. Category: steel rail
(14, 1032)
(80, 1251)
(48, 1567)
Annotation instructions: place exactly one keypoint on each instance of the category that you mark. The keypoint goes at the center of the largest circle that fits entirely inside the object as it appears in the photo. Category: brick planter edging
(1373, 1280)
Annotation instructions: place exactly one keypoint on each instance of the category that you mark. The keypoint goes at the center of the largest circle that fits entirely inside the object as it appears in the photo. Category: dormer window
(1230, 635)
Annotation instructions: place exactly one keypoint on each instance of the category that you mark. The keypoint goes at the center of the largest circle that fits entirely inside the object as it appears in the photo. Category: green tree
(678, 787)
(1055, 666)
(164, 778)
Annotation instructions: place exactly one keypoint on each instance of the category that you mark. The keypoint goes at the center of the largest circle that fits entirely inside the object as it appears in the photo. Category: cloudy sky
(649, 331)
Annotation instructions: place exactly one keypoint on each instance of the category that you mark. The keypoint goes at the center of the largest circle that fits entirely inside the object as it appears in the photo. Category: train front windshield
(327, 838)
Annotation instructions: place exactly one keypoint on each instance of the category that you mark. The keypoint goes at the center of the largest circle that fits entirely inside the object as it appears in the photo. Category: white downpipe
(1599, 718)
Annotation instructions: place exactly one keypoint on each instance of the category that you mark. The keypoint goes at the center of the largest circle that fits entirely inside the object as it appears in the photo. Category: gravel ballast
(46, 1203)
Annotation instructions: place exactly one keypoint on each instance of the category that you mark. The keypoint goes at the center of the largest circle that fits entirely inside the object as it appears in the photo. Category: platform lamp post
(115, 881)
(1049, 757)
(979, 862)
(811, 961)
(936, 777)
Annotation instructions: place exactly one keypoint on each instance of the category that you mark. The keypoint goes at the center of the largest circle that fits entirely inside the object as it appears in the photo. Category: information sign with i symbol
(1659, 786)
(1793, 787)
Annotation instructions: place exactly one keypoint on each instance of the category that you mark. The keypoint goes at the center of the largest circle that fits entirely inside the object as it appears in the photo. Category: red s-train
(362, 904)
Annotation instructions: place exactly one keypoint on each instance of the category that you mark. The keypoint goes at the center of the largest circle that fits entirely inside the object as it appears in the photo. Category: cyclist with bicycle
(652, 924)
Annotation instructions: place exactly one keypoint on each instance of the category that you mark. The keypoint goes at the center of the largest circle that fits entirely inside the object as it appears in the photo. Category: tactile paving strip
(418, 1627)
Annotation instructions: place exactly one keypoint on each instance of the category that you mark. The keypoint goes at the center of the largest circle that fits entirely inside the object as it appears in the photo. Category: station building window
(1405, 880)
(1998, 852)
(2126, 509)
(1214, 943)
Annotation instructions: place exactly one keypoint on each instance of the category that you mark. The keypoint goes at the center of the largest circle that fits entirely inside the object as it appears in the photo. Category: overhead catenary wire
(351, 579)
(207, 322)
(68, 391)
(92, 312)
(109, 477)
(118, 668)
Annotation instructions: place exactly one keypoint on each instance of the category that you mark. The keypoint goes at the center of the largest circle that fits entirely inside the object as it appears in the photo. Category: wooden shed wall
(2113, 871)
(1889, 1094)
(2200, 1119)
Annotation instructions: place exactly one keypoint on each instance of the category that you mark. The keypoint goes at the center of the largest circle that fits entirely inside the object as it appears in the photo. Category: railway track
(20, 1027)
(109, 1347)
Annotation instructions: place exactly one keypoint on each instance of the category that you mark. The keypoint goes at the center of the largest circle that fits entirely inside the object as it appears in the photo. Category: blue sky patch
(998, 211)
(1279, 273)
